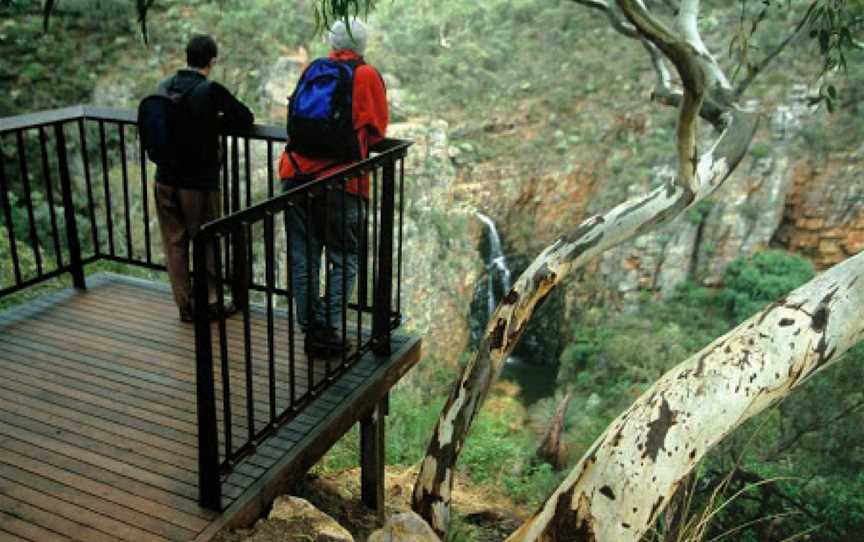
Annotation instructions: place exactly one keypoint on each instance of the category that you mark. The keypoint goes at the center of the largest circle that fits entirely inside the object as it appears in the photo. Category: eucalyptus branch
(692, 75)
(687, 24)
(615, 18)
(663, 92)
(754, 71)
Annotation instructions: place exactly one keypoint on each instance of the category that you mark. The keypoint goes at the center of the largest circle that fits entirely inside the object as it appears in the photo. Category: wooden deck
(97, 418)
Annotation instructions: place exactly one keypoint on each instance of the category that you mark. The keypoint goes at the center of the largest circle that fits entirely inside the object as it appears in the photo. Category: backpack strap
(297, 170)
(355, 63)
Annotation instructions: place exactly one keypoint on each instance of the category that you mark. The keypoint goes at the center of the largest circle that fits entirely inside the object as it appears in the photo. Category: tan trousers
(181, 214)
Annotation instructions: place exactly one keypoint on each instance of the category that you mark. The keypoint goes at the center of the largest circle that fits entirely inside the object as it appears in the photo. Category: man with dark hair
(200, 51)
(187, 194)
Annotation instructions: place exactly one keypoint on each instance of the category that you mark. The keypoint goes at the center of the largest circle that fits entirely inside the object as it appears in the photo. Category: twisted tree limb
(698, 176)
(663, 92)
(632, 470)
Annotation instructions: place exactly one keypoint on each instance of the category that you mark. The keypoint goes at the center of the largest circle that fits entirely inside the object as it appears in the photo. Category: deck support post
(372, 458)
(76, 267)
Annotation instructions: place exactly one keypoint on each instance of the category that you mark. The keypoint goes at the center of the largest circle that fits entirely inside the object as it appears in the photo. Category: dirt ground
(478, 516)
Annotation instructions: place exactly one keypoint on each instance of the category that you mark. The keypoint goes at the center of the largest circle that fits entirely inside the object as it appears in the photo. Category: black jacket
(211, 108)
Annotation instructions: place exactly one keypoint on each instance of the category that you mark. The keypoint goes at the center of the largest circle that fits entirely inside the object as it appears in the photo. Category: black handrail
(84, 158)
(272, 375)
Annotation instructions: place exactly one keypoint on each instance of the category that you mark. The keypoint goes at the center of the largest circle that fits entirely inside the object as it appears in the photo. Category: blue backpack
(164, 125)
(320, 117)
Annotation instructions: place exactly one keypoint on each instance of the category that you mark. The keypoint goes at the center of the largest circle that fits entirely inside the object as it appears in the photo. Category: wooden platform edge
(249, 506)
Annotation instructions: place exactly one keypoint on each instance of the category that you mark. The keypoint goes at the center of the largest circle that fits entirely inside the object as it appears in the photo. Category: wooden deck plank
(176, 364)
(7, 536)
(19, 349)
(124, 406)
(117, 423)
(130, 516)
(11, 523)
(50, 521)
(93, 481)
(98, 423)
(152, 486)
(73, 512)
(135, 454)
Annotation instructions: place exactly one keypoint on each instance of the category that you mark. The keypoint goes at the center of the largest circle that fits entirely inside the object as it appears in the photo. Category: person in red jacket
(333, 219)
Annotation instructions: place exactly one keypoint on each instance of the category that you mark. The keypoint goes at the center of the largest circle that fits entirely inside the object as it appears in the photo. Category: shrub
(750, 283)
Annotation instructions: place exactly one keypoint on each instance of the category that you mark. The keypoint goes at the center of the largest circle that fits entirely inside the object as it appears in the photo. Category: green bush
(749, 284)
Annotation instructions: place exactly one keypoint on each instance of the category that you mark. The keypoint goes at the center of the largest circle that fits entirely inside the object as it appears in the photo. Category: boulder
(405, 527)
(307, 522)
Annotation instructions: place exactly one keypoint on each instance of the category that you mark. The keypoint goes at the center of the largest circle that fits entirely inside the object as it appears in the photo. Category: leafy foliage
(751, 283)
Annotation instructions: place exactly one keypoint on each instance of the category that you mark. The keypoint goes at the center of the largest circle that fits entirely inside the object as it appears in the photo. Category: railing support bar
(209, 486)
(76, 267)
(384, 288)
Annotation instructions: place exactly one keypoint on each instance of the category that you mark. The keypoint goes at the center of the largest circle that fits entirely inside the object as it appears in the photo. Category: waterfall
(497, 281)
(529, 365)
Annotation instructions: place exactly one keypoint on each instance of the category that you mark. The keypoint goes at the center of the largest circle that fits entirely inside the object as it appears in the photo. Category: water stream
(536, 377)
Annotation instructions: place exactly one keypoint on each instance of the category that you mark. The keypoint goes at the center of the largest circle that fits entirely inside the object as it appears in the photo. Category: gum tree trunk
(628, 476)
(705, 92)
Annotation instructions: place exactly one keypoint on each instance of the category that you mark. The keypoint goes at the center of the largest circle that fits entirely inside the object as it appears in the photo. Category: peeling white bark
(698, 176)
(688, 26)
(506, 325)
(630, 473)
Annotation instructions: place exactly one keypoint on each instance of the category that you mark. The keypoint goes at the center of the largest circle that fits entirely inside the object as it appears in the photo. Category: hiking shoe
(187, 314)
(323, 343)
(228, 309)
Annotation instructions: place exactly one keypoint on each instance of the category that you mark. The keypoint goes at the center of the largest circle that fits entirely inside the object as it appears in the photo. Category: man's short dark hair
(200, 50)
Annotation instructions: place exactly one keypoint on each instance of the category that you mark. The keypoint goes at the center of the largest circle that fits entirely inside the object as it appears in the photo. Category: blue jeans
(331, 219)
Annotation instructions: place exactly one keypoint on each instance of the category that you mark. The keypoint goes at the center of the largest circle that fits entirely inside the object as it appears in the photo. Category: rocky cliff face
(777, 196)
(442, 262)
(824, 213)
(781, 195)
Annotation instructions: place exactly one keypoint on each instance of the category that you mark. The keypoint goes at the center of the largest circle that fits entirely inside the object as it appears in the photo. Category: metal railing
(75, 189)
(88, 162)
(269, 386)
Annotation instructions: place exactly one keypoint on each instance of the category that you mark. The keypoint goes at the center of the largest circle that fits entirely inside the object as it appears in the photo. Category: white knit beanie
(339, 38)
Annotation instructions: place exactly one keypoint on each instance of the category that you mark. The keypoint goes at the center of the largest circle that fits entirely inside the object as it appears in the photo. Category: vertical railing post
(76, 267)
(209, 487)
(241, 277)
(382, 308)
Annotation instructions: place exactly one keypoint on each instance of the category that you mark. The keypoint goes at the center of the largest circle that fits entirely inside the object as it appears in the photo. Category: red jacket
(369, 102)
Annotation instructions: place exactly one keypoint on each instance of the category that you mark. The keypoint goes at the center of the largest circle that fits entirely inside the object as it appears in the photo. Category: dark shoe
(323, 343)
(187, 314)
(227, 310)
